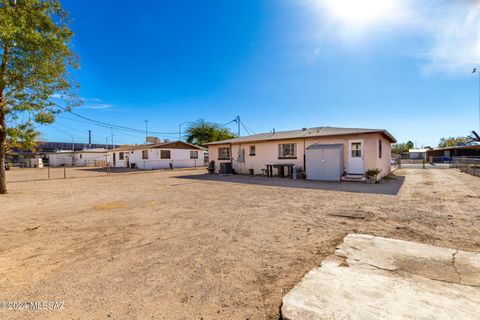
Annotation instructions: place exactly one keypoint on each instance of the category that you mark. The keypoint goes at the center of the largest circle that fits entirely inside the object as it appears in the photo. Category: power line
(247, 128)
(117, 127)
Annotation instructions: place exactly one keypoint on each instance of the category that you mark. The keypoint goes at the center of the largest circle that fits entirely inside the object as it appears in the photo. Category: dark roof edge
(232, 141)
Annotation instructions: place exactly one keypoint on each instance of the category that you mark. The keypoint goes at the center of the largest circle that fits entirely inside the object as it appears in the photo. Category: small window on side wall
(121, 156)
(224, 153)
(379, 148)
(193, 154)
(144, 154)
(165, 154)
(252, 150)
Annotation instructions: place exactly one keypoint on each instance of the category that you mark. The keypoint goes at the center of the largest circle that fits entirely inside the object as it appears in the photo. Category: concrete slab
(379, 278)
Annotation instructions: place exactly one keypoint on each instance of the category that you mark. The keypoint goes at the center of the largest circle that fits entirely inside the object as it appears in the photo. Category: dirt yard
(186, 245)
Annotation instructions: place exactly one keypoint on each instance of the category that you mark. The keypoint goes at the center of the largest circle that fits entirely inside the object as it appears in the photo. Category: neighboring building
(419, 154)
(177, 154)
(447, 154)
(82, 158)
(321, 151)
(56, 146)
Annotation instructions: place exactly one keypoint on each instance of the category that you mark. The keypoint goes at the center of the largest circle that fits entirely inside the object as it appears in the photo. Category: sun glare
(361, 12)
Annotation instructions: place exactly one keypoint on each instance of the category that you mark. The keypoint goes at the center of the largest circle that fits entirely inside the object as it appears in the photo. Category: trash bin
(211, 167)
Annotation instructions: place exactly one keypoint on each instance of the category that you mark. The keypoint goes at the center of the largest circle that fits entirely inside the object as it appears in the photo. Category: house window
(193, 154)
(121, 156)
(252, 150)
(356, 149)
(81, 156)
(224, 153)
(379, 148)
(164, 154)
(144, 154)
(287, 151)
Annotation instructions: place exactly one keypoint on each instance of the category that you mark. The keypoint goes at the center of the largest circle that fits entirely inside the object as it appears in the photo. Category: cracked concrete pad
(379, 278)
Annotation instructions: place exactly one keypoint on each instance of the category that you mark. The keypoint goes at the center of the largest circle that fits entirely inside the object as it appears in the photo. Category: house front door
(356, 159)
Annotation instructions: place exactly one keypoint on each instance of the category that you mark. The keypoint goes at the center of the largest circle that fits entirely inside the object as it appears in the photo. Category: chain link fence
(470, 165)
(24, 171)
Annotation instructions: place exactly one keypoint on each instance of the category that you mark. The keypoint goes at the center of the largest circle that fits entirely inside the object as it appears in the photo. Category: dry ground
(185, 245)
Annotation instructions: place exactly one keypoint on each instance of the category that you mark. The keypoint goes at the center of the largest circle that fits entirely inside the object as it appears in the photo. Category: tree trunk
(3, 121)
(3, 145)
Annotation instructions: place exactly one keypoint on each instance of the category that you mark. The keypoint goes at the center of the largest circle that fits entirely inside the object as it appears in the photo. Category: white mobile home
(82, 158)
(177, 154)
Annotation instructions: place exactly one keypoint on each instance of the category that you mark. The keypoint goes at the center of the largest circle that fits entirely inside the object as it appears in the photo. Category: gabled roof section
(306, 133)
(163, 145)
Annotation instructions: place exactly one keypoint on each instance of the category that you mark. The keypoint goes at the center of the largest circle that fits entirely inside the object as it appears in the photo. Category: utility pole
(146, 131)
(237, 120)
(90, 138)
(111, 130)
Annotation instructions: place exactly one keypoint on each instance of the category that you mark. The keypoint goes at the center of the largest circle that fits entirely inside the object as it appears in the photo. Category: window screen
(223, 153)
(165, 154)
(287, 150)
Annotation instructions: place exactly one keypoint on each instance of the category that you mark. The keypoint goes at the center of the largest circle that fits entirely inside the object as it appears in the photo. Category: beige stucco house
(316, 150)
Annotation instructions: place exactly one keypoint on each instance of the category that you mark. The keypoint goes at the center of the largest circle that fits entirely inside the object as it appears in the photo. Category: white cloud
(96, 106)
(449, 29)
(455, 38)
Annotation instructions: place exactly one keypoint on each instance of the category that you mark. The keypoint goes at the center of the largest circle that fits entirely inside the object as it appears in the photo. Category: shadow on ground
(112, 169)
(388, 186)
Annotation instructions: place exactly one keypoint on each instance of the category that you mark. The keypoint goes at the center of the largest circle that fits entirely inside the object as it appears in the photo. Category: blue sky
(400, 65)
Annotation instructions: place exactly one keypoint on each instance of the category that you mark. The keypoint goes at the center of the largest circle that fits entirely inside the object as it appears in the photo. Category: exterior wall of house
(179, 158)
(86, 159)
(266, 152)
(384, 163)
(79, 158)
(58, 159)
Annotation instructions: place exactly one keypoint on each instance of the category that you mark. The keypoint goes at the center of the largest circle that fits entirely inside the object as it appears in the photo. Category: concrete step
(354, 177)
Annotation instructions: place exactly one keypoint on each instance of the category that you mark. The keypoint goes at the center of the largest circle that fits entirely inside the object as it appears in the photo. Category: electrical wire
(110, 125)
